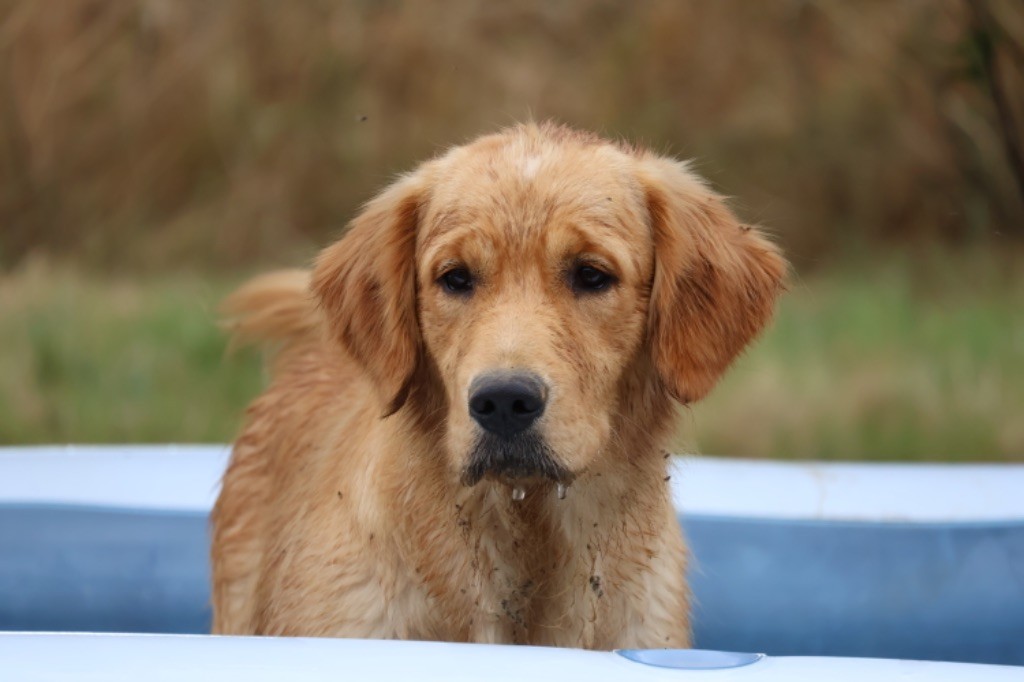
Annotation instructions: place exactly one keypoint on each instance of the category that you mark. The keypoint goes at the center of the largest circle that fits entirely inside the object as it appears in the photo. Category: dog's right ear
(366, 286)
(715, 281)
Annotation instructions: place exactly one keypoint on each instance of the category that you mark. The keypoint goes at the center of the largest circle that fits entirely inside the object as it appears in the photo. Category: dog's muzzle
(521, 457)
(506, 405)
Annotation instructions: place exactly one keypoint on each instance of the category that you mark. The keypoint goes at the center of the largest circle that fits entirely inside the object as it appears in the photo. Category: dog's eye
(589, 278)
(457, 281)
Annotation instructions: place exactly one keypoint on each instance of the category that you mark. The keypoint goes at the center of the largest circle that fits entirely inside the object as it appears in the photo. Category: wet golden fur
(343, 512)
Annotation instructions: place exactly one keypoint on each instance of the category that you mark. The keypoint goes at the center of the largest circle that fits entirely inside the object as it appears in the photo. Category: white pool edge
(186, 478)
(66, 656)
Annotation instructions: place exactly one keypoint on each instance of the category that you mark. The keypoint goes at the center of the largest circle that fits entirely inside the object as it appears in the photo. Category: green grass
(90, 360)
(899, 361)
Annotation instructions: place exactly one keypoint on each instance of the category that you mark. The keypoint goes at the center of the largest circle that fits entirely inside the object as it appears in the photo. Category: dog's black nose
(506, 403)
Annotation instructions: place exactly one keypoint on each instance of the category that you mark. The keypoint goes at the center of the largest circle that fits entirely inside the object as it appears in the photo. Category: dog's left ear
(366, 285)
(715, 280)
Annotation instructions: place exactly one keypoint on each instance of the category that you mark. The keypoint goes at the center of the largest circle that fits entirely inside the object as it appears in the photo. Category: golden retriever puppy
(463, 438)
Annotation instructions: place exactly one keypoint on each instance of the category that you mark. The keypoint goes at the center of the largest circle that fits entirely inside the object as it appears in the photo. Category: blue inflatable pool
(918, 562)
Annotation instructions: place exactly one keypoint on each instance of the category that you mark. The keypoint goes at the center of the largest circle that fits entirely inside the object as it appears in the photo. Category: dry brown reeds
(156, 133)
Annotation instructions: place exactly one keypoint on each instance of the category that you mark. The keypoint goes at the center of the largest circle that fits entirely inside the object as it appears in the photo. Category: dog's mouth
(515, 461)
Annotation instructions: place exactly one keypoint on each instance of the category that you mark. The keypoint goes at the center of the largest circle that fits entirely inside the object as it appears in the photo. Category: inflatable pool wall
(892, 561)
(177, 658)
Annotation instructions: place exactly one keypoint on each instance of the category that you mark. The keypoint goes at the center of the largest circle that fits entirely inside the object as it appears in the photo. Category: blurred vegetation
(157, 133)
(921, 361)
(92, 360)
(152, 152)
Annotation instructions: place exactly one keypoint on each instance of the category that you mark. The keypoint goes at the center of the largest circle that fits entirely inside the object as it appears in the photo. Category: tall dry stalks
(157, 133)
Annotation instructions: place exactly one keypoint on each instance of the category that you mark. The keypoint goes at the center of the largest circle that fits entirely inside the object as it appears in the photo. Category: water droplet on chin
(561, 491)
(518, 494)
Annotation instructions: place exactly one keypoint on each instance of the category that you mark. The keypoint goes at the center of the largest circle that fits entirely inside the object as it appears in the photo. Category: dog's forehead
(519, 187)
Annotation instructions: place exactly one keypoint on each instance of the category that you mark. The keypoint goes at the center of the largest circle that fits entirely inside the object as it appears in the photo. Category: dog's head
(523, 275)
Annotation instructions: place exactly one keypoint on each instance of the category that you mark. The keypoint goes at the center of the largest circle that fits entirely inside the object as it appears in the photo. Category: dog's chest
(522, 579)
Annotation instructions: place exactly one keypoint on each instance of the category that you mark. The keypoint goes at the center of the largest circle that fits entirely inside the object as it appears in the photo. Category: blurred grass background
(155, 152)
